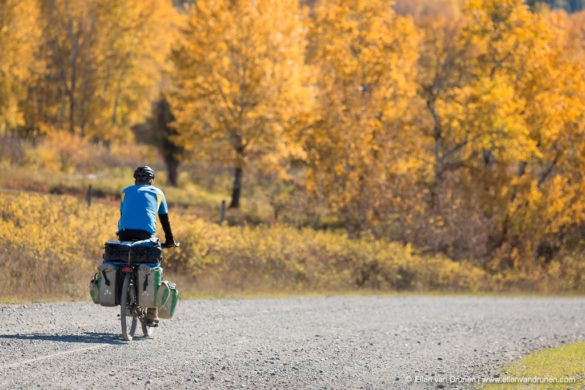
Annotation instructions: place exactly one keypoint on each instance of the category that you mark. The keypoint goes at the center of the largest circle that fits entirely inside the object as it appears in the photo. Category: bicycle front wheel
(127, 303)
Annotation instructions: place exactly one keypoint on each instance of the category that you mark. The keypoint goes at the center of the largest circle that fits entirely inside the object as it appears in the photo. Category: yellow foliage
(61, 151)
(58, 242)
(489, 118)
(104, 64)
(50, 244)
(241, 85)
(364, 55)
(504, 92)
(19, 41)
(458, 126)
(135, 38)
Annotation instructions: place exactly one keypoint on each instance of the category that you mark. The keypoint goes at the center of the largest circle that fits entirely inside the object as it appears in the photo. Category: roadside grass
(27, 300)
(559, 363)
(107, 183)
(190, 291)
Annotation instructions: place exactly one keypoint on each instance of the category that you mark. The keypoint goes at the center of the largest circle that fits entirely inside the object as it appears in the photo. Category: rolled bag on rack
(145, 251)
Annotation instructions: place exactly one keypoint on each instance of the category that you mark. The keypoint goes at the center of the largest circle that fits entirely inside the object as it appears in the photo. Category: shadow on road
(87, 337)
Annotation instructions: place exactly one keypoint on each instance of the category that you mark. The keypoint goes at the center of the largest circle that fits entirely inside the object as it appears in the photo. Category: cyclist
(138, 209)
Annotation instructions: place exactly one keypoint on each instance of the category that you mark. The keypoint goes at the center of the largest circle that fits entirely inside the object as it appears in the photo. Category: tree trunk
(172, 169)
(72, 105)
(162, 136)
(438, 150)
(74, 39)
(236, 192)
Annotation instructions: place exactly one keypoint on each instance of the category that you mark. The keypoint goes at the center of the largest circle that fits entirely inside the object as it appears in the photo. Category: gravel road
(329, 342)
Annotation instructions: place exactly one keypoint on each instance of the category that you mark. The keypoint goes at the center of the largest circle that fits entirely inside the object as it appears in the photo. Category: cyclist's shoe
(152, 323)
(152, 317)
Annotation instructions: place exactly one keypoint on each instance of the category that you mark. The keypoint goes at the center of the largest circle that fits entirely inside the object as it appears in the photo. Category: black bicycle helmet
(144, 173)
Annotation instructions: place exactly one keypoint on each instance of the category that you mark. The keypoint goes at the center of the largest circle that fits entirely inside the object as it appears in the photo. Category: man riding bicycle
(138, 209)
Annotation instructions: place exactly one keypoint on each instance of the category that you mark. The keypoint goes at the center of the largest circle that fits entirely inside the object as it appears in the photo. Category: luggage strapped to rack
(144, 251)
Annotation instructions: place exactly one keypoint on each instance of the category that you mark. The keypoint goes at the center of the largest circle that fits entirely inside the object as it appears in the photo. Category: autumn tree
(548, 210)
(241, 83)
(136, 38)
(442, 70)
(69, 33)
(503, 115)
(365, 56)
(104, 61)
(19, 43)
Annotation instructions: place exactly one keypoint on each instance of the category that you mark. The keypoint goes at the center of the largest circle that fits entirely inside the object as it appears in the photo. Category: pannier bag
(145, 251)
(108, 283)
(94, 290)
(168, 296)
(149, 280)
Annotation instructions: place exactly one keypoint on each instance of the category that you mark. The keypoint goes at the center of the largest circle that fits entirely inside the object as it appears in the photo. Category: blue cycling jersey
(139, 206)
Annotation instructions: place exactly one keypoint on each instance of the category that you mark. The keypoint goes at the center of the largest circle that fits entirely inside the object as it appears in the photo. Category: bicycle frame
(129, 299)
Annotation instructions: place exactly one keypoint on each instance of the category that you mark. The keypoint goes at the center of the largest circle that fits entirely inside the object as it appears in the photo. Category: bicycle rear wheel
(148, 331)
(127, 304)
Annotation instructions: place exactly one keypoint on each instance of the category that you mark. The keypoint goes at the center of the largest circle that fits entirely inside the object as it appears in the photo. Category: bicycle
(129, 302)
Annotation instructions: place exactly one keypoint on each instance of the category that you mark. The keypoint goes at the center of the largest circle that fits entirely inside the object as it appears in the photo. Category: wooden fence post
(222, 213)
(88, 196)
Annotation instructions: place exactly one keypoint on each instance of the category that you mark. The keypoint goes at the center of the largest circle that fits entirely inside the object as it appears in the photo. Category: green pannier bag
(167, 300)
(108, 283)
(149, 280)
(94, 290)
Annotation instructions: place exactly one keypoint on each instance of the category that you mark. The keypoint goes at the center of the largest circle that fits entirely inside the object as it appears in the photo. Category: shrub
(50, 246)
(49, 243)
(281, 257)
